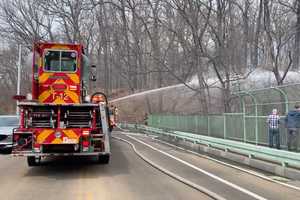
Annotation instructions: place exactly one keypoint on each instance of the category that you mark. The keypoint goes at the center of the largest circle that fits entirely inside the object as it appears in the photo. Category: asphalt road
(129, 177)
(248, 183)
(126, 177)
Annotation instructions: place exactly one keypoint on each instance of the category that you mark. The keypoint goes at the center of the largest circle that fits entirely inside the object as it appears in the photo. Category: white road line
(124, 130)
(229, 165)
(131, 133)
(203, 171)
(171, 174)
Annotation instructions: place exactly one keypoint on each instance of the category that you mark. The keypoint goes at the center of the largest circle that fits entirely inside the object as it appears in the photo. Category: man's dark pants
(292, 139)
(274, 134)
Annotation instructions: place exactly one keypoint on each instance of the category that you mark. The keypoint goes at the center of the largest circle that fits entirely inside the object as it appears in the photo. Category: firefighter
(146, 119)
(112, 115)
(115, 113)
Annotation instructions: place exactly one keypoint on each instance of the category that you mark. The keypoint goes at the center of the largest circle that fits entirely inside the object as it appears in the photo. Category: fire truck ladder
(99, 139)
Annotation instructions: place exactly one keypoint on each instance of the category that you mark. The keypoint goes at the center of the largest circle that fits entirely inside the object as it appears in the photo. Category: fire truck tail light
(16, 137)
(19, 97)
(85, 143)
(37, 147)
(85, 133)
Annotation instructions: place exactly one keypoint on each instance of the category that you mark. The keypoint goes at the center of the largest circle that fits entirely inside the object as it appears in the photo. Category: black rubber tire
(31, 161)
(103, 159)
(6, 151)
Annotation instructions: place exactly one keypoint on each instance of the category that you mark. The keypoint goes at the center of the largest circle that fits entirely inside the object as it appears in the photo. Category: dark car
(7, 124)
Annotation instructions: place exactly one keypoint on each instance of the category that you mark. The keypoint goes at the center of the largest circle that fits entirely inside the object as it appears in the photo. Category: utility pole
(19, 76)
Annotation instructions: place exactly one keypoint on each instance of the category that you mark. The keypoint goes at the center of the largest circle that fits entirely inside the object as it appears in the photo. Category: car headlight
(9, 137)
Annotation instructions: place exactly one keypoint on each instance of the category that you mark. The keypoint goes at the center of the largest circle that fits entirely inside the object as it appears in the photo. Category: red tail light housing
(19, 97)
(85, 143)
(16, 137)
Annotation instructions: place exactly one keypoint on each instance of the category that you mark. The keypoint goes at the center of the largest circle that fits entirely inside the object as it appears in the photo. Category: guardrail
(285, 158)
(234, 126)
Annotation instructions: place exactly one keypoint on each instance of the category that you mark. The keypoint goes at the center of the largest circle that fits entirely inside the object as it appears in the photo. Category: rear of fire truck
(59, 118)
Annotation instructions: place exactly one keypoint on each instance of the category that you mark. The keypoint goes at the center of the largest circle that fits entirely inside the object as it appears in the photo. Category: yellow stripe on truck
(57, 141)
(74, 97)
(43, 135)
(44, 77)
(58, 100)
(44, 95)
(71, 134)
(74, 78)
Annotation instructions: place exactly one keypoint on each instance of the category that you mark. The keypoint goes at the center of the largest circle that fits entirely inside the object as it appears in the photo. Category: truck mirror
(93, 78)
(92, 73)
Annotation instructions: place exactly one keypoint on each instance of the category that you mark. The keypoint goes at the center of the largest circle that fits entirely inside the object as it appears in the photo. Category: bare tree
(277, 39)
(23, 21)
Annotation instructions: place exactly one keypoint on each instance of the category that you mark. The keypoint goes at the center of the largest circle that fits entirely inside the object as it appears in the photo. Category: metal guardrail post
(158, 120)
(256, 125)
(177, 122)
(286, 99)
(224, 126)
(186, 124)
(208, 125)
(244, 119)
(148, 120)
(244, 114)
(196, 123)
(166, 121)
(256, 118)
(151, 120)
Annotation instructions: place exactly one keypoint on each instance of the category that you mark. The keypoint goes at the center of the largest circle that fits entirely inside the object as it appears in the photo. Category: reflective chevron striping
(48, 94)
(44, 77)
(59, 101)
(57, 141)
(60, 47)
(74, 78)
(44, 135)
(70, 134)
(45, 95)
(59, 81)
(73, 96)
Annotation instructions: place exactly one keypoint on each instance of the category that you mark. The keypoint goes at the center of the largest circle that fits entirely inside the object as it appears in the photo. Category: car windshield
(60, 61)
(9, 121)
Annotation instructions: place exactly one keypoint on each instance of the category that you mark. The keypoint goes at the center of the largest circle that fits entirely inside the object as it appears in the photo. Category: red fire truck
(59, 117)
